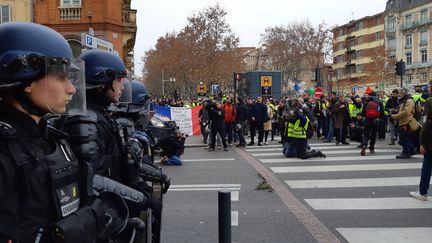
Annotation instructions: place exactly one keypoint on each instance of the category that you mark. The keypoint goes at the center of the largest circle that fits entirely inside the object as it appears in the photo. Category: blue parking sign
(89, 41)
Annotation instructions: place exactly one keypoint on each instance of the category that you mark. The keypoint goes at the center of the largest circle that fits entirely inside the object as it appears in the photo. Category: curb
(195, 145)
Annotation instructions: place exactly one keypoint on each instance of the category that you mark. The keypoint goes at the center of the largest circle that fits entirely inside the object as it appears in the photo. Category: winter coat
(268, 124)
(259, 112)
(230, 113)
(406, 113)
(426, 132)
(341, 114)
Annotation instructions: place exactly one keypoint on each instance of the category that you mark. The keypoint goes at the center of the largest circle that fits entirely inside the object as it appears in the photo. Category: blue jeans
(426, 173)
(174, 160)
(229, 130)
(405, 138)
(289, 149)
(330, 129)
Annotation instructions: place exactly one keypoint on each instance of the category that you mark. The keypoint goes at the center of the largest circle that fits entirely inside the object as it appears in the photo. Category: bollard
(224, 205)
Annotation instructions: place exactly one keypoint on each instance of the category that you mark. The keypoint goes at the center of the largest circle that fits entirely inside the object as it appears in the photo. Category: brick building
(354, 46)
(111, 20)
(16, 10)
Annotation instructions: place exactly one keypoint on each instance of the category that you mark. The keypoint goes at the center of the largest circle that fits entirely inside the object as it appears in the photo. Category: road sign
(266, 91)
(318, 92)
(96, 43)
(266, 81)
(202, 90)
(215, 89)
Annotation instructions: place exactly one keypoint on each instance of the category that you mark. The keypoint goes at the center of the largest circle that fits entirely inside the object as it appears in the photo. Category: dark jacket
(172, 145)
(242, 113)
(259, 112)
(216, 116)
(426, 131)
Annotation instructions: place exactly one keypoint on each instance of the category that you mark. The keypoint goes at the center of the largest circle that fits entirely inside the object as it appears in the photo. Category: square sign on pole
(266, 91)
(202, 90)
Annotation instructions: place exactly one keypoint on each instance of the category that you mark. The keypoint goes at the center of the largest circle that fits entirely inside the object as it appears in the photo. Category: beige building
(408, 31)
(16, 10)
(354, 45)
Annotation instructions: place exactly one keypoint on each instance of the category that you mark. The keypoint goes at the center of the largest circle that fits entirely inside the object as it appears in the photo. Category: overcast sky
(248, 18)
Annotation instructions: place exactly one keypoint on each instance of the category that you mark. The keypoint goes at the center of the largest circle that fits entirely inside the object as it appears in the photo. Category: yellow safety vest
(290, 129)
(353, 110)
(300, 132)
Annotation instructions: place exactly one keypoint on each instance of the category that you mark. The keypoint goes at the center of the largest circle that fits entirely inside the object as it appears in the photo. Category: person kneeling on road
(301, 123)
(173, 148)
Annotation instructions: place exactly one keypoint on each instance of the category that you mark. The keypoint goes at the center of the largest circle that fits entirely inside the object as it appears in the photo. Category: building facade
(16, 10)
(110, 20)
(355, 48)
(408, 31)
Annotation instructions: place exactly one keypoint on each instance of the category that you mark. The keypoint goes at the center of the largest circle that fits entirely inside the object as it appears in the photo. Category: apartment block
(110, 20)
(16, 10)
(408, 31)
(355, 45)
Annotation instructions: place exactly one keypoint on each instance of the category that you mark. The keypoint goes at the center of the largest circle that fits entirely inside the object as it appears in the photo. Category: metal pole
(224, 205)
(163, 88)
(401, 81)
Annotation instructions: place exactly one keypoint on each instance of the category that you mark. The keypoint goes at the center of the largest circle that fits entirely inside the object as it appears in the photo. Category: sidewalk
(195, 141)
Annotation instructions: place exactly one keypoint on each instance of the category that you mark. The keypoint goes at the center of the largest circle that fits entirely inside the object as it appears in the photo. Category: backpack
(417, 111)
(372, 110)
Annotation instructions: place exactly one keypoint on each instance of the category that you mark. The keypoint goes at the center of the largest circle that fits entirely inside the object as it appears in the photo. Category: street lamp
(163, 81)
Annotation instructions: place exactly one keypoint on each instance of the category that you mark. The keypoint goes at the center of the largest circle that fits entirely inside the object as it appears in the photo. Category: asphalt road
(342, 198)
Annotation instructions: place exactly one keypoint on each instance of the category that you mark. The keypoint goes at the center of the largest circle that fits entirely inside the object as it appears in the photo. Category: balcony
(70, 12)
(424, 21)
(410, 25)
(349, 49)
(423, 43)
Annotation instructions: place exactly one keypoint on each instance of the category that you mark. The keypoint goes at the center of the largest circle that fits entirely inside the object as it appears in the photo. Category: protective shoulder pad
(7, 132)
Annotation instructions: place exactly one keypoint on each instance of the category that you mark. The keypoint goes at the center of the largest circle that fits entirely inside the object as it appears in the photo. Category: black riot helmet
(102, 68)
(30, 52)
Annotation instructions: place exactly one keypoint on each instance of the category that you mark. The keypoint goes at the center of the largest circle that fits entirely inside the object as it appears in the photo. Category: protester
(392, 108)
(341, 120)
(241, 118)
(258, 115)
(173, 148)
(204, 118)
(229, 119)
(268, 124)
(426, 150)
(217, 125)
(373, 113)
(407, 125)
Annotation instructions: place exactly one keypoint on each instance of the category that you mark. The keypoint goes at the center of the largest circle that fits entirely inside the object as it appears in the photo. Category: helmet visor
(65, 86)
(127, 91)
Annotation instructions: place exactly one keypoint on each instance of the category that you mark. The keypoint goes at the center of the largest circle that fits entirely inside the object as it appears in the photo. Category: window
(5, 14)
(408, 78)
(423, 16)
(423, 37)
(70, 2)
(359, 54)
(378, 36)
(423, 54)
(408, 58)
(358, 26)
(391, 44)
(359, 68)
(423, 77)
(341, 32)
(408, 40)
(391, 24)
(359, 40)
(408, 20)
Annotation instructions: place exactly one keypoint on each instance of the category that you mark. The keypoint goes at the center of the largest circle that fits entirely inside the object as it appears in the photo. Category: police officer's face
(51, 93)
(115, 95)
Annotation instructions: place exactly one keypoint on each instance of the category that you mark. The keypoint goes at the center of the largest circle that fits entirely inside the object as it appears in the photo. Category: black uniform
(38, 173)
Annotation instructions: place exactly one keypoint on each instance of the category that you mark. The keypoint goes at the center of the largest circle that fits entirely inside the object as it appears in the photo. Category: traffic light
(400, 68)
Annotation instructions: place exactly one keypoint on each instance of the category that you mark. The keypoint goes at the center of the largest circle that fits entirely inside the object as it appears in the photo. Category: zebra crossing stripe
(327, 152)
(334, 147)
(207, 159)
(368, 203)
(334, 168)
(385, 235)
(344, 158)
(358, 182)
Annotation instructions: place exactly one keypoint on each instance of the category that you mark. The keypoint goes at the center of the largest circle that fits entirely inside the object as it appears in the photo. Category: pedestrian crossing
(339, 199)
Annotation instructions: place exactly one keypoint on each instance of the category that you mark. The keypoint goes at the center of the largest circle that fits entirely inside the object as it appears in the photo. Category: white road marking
(368, 203)
(385, 235)
(358, 182)
(207, 159)
(320, 148)
(234, 218)
(207, 187)
(344, 158)
(328, 152)
(334, 168)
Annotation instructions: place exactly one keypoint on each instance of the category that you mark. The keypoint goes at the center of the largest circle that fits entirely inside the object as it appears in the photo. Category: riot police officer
(42, 185)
